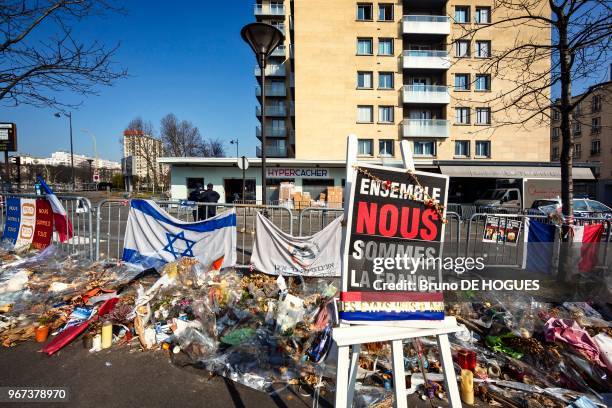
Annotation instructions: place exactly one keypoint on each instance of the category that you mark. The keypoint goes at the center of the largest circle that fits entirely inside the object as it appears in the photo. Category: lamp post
(69, 115)
(235, 141)
(263, 40)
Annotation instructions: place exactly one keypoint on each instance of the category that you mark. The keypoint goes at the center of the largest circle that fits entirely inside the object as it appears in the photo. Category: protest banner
(278, 253)
(28, 222)
(395, 230)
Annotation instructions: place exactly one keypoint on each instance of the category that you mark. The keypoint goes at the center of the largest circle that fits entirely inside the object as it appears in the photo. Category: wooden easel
(354, 336)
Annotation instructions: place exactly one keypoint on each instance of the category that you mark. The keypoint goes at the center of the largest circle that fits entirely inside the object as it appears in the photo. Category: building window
(556, 114)
(483, 15)
(462, 14)
(365, 114)
(577, 128)
(365, 147)
(462, 82)
(462, 49)
(385, 12)
(595, 125)
(577, 151)
(364, 12)
(578, 110)
(483, 148)
(555, 153)
(385, 114)
(595, 103)
(462, 148)
(483, 116)
(364, 80)
(385, 46)
(483, 49)
(462, 116)
(555, 133)
(385, 80)
(595, 147)
(424, 148)
(483, 82)
(385, 147)
(364, 46)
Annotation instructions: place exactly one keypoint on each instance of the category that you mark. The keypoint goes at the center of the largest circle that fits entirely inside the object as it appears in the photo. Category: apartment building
(592, 137)
(144, 150)
(387, 71)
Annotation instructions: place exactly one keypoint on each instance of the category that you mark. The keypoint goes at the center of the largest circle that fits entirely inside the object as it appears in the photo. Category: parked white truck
(521, 195)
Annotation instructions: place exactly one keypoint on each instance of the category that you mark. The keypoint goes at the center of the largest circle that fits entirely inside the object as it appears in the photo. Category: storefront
(469, 179)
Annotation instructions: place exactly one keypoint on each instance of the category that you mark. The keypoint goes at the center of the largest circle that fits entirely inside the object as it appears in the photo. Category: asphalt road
(124, 377)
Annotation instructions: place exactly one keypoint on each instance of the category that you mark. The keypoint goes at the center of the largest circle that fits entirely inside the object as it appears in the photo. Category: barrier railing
(112, 217)
(504, 254)
(314, 219)
(80, 213)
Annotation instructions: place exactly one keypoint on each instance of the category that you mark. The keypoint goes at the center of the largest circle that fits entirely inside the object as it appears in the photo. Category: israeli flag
(153, 237)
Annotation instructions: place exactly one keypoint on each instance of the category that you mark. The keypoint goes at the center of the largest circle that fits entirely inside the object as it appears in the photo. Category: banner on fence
(29, 222)
(588, 237)
(395, 227)
(153, 237)
(539, 246)
(278, 253)
(501, 230)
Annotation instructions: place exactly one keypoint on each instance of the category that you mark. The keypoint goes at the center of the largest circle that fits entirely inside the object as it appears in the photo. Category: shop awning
(579, 173)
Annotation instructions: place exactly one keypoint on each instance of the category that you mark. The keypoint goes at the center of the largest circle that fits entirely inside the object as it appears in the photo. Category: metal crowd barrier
(503, 254)
(314, 219)
(112, 217)
(80, 213)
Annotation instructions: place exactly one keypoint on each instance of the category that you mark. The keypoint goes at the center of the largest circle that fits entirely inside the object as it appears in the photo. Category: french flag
(587, 238)
(63, 226)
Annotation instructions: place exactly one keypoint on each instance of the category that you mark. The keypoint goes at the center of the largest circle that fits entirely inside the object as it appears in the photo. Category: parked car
(583, 208)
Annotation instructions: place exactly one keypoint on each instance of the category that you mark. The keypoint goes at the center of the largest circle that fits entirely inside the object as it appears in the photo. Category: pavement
(124, 377)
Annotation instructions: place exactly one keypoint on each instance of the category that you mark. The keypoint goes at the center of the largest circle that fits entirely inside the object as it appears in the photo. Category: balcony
(272, 132)
(269, 10)
(274, 110)
(272, 151)
(272, 70)
(426, 128)
(272, 90)
(414, 24)
(417, 59)
(280, 51)
(426, 94)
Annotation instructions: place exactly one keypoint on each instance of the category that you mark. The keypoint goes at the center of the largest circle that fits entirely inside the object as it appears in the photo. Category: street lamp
(263, 40)
(235, 141)
(69, 115)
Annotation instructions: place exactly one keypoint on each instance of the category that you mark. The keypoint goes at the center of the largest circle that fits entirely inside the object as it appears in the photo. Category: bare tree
(34, 66)
(180, 138)
(213, 148)
(537, 65)
(147, 147)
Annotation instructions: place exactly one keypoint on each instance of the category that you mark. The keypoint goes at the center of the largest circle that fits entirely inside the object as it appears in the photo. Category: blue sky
(187, 60)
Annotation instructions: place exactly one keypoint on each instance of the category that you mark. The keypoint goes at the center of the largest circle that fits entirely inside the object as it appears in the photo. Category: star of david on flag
(153, 237)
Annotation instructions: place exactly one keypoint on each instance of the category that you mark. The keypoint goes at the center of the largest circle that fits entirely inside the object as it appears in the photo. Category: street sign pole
(243, 179)
(7, 168)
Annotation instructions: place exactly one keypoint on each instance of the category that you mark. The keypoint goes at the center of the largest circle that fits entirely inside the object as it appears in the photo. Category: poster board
(501, 230)
(392, 214)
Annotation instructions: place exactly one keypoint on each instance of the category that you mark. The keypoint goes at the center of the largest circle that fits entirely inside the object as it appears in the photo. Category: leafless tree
(535, 66)
(213, 148)
(35, 66)
(180, 137)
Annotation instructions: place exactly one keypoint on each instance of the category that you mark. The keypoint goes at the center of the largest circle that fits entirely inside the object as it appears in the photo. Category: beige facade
(145, 151)
(403, 55)
(592, 136)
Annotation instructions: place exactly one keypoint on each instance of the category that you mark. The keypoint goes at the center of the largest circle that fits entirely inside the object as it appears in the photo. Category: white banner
(153, 237)
(278, 253)
(28, 222)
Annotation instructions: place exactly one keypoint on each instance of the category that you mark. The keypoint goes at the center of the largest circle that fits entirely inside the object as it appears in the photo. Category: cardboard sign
(43, 231)
(501, 230)
(392, 233)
